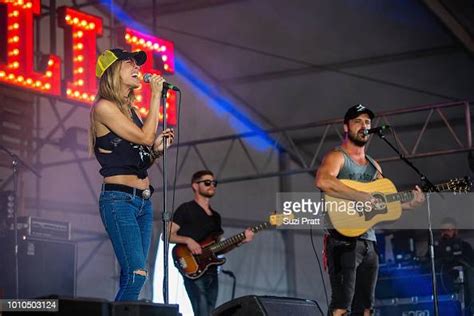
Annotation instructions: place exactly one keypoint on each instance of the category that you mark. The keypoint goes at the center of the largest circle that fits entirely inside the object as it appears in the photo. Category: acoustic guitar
(352, 218)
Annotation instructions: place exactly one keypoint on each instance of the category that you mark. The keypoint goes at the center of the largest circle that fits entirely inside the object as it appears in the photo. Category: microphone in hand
(166, 85)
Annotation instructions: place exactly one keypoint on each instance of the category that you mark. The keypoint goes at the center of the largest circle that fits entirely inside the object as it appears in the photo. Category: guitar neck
(229, 243)
(407, 196)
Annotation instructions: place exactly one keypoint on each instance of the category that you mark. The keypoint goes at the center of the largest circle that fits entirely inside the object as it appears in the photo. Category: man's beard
(358, 142)
(207, 194)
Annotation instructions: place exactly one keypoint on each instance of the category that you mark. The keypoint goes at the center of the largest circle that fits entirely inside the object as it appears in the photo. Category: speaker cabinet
(45, 267)
(97, 307)
(143, 309)
(253, 305)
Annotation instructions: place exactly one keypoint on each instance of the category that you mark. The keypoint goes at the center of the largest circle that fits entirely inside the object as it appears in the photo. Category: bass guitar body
(194, 266)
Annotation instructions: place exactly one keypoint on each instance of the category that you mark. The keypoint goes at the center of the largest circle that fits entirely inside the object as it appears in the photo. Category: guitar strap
(372, 162)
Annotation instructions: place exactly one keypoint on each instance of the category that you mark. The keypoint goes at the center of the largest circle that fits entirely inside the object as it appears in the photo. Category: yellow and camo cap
(108, 57)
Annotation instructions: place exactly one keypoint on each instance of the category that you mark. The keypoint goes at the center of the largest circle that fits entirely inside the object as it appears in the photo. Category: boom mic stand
(16, 161)
(431, 188)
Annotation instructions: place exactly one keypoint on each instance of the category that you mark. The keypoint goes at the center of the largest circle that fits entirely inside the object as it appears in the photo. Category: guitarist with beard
(193, 222)
(353, 262)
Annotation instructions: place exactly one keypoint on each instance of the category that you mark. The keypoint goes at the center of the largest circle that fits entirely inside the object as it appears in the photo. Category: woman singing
(125, 148)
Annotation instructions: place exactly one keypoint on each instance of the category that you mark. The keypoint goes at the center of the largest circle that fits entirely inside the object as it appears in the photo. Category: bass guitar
(193, 266)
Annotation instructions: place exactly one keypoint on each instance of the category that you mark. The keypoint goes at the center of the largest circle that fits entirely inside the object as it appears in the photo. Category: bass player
(193, 222)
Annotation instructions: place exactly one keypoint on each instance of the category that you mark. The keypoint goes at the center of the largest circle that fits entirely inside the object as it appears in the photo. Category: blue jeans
(202, 292)
(128, 221)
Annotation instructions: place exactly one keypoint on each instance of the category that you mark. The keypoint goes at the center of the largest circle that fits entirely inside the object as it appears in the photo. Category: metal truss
(306, 151)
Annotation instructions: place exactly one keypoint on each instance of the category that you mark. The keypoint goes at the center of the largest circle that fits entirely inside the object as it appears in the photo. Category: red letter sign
(17, 69)
(80, 33)
(164, 50)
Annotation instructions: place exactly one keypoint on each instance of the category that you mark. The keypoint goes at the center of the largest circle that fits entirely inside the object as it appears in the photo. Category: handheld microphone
(377, 130)
(166, 85)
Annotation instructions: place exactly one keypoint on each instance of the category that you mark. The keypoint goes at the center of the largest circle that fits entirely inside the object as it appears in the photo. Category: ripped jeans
(128, 220)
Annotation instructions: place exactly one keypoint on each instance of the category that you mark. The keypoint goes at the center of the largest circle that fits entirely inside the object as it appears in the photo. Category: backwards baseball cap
(357, 110)
(108, 57)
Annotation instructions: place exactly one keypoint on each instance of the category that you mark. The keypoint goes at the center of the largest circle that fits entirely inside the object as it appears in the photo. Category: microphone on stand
(166, 85)
(377, 130)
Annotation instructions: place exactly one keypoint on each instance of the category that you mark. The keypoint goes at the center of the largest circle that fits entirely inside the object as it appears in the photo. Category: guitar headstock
(459, 185)
(277, 219)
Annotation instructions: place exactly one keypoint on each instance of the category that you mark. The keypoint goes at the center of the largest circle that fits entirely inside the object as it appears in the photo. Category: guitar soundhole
(379, 207)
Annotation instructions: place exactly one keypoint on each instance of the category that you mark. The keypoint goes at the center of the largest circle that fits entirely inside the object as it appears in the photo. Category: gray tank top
(362, 173)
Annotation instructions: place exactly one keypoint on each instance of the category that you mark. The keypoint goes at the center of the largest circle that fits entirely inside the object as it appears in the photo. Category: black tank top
(125, 157)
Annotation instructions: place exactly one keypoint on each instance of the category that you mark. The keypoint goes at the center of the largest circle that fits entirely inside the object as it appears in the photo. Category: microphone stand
(166, 217)
(430, 188)
(15, 162)
(234, 280)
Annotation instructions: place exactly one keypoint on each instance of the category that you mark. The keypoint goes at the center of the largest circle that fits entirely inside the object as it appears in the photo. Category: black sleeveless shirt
(125, 157)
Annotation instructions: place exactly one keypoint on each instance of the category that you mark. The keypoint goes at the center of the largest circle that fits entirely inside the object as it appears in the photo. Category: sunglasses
(208, 183)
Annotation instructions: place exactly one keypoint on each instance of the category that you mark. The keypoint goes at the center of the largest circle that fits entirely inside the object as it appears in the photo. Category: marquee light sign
(81, 31)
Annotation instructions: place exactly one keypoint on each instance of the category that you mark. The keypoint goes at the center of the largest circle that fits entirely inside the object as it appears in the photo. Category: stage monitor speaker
(45, 267)
(253, 305)
(143, 309)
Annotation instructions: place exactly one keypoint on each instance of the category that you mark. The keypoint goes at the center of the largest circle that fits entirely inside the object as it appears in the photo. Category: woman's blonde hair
(109, 89)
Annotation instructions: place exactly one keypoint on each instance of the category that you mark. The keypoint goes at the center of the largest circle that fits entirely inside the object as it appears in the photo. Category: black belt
(144, 194)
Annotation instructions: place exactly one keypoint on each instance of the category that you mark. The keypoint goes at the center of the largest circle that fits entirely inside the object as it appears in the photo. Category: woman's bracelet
(156, 154)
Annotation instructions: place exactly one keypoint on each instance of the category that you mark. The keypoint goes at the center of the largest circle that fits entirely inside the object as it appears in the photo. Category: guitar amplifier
(44, 228)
